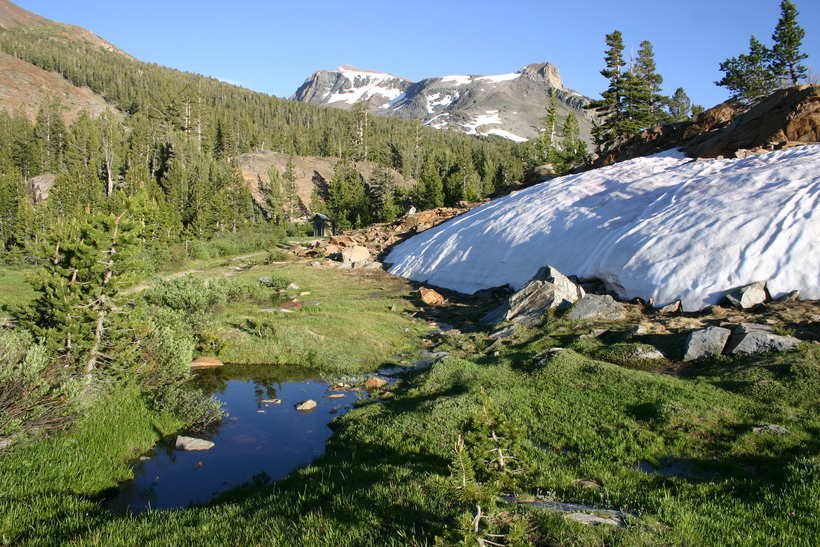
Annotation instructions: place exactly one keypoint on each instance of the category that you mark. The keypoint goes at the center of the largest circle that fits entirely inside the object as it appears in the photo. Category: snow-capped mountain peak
(510, 105)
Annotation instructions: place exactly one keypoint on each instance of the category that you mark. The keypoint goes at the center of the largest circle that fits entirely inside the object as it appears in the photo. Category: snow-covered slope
(663, 227)
(510, 105)
(345, 86)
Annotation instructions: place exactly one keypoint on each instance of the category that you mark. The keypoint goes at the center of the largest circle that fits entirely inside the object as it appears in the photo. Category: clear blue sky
(272, 46)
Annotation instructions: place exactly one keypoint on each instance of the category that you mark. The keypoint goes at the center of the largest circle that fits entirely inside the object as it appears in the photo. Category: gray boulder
(748, 296)
(597, 306)
(705, 342)
(754, 338)
(547, 289)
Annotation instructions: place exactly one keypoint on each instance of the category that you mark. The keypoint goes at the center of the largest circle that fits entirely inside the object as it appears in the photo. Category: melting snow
(500, 77)
(373, 82)
(459, 80)
(490, 118)
(662, 227)
(506, 135)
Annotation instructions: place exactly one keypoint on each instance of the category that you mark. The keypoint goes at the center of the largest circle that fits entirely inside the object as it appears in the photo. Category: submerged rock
(205, 362)
(192, 443)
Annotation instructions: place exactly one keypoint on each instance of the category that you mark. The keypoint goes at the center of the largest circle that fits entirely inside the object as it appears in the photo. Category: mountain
(509, 105)
(24, 87)
(13, 15)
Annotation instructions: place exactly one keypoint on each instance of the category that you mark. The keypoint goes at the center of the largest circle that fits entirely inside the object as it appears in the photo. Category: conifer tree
(545, 143)
(680, 106)
(749, 77)
(11, 193)
(607, 131)
(574, 148)
(359, 132)
(274, 196)
(650, 106)
(50, 133)
(86, 263)
(788, 37)
(289, 191)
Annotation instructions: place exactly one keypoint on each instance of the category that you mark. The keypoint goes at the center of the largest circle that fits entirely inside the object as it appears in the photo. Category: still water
(261, 441)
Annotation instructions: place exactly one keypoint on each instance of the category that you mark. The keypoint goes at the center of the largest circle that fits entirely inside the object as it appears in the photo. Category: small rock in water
(192, 443)
(272, 401)
(375, 382)
(307, 406)
(337, 396)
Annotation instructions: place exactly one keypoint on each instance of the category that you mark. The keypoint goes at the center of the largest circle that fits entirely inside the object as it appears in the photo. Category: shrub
(33, 394)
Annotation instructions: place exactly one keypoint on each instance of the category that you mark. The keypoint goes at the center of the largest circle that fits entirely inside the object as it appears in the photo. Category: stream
(261, 441)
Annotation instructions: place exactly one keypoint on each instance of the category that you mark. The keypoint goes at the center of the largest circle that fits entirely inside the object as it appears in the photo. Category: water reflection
(261, 442)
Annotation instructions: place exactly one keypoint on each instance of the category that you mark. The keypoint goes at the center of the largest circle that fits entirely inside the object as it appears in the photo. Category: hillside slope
(663, 227)
(311, 173)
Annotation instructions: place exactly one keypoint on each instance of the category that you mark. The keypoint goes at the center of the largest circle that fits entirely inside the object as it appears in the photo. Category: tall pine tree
(788, 37)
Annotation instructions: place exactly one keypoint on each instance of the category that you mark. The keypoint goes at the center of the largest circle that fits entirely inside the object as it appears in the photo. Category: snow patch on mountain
(663, 227)
(500, 77)
(461, 79)
(506, 135)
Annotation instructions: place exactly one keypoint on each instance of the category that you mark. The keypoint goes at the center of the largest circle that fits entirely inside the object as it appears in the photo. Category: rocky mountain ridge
(509, 105)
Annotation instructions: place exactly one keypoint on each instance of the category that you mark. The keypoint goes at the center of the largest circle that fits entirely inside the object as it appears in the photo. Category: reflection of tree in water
(215, 380)
(264, 391)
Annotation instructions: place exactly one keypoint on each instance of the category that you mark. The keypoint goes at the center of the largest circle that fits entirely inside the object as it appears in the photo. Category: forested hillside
(170, 142)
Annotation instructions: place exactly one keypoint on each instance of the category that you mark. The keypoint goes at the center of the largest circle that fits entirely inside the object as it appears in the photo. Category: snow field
(663, 227)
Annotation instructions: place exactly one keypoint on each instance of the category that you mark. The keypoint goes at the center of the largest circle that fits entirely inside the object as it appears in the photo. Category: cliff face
(509, 105)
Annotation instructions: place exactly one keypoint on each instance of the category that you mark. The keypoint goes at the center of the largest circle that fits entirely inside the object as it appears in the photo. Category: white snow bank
(663, 227)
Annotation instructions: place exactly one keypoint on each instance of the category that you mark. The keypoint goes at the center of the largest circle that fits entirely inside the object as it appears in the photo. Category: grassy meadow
(453, 454)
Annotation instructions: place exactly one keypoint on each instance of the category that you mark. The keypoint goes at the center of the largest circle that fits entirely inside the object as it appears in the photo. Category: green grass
(14, 288)
(355, 327)
(393, 473)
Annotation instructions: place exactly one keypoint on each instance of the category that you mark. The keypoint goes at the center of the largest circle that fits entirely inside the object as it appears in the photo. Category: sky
(273, 46)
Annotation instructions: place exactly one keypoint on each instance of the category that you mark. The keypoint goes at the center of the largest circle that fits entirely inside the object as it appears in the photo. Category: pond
(263, 440)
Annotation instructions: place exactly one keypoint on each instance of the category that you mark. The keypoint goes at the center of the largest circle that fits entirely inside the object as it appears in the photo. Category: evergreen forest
(167, 144)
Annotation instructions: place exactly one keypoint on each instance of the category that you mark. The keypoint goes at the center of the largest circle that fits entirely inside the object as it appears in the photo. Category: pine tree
(788, 37)
(86, 263)
(680, 106)
(274, 196)
(607, 131)
(11, 193)
(359, 132)
(749, 77)
(574, 148)
(50, 133)
(289, 191)
(652, 101)
(545, 149)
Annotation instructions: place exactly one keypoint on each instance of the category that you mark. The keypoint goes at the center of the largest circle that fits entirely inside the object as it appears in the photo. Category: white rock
(192, 443)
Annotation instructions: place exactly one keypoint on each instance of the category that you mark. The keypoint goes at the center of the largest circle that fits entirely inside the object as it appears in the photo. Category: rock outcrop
(788, 117)
(311, 174)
